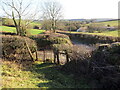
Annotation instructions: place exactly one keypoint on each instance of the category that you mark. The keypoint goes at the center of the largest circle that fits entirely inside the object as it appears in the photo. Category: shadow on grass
(54, 77)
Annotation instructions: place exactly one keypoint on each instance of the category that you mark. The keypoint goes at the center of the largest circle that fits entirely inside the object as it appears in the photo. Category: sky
(88, 9)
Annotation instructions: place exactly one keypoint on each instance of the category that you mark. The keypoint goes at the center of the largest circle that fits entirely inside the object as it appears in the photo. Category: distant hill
(105, 19)
(95, 19)
(77, 19)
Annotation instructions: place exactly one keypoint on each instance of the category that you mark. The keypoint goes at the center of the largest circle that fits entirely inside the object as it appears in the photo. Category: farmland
(111, 23)
(13, 30)
(106, 33)
(115, 33)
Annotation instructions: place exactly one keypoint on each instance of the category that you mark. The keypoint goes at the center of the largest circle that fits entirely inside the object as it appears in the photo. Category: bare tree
(52, 11)
(18, 10)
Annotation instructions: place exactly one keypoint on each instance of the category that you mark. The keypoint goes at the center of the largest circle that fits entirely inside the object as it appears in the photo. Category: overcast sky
(90, 8)
(87, 9)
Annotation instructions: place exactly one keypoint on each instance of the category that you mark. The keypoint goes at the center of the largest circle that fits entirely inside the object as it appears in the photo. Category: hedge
(47, 40)
(14, 47)
(92, 39)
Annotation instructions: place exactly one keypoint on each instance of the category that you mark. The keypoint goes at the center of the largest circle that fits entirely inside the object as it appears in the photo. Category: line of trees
(20, 10)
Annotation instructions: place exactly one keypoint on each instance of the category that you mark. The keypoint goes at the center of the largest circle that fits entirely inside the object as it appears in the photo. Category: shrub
(96, 27)
(101, 65)
(7, 22)
(92, 39)
(107, 54)
(47, 40)
(79, 63)
(105, 65)
(36, 27)
(14, 47)
(62, 47)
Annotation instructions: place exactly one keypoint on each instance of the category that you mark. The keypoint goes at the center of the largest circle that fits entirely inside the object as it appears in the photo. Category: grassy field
(35, 31)
(35, 24)
(111, 23)
(8, 29)
(105, 23)
(106, 33)
(37, 75)
(13, 30)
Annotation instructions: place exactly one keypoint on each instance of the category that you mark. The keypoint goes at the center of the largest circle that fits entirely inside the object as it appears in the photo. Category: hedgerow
(14, 47)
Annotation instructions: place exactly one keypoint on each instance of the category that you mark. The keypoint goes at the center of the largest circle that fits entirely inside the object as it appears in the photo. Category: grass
(8, 29)
(37, 75)
(106, 33)
(105, 23)
(111, 23)
(13, 30)
(35, 31)
(35, 24)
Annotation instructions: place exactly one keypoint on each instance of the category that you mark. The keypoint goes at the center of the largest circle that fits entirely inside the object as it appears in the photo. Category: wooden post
(67, 57)
(36, 55)
(57, 54)
(43, 55)
(54, 57)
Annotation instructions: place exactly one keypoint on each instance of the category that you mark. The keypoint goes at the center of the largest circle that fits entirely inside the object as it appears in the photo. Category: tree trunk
(15, 23)
(20, 26)
(29, 51)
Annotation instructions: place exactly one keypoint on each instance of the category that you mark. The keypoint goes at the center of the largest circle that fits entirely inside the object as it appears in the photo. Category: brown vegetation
(16, 47)
(100, 67)
(92, 39)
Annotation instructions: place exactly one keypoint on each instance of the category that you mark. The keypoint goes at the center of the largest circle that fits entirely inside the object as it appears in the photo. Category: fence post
(57, 54)
(67, 56)
(54, 57)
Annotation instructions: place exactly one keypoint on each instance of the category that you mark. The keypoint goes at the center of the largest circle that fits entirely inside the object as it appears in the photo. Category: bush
(108, 54)
(36, 27)
(96, 27)
(92, 39)
(47, 40)
(79, 63)
(62, 47)
(8, 22)
(105, 65)
(14, 47)
(101, 65)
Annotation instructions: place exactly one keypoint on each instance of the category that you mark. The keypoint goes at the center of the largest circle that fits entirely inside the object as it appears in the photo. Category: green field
(13, 30)
(35, 24)
(35, 31)
(106, 33)
(105, 23)
(37, 75)
(111, 23)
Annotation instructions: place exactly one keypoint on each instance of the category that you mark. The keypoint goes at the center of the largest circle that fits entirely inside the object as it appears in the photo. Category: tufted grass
(37, 75)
